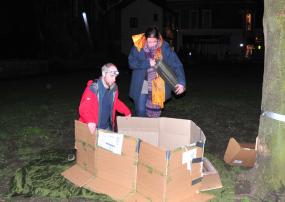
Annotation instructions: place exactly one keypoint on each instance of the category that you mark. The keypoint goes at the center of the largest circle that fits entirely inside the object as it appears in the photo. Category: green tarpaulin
(42, 178)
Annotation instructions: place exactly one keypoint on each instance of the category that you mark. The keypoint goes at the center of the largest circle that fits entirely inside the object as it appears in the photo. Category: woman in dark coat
(147, 89)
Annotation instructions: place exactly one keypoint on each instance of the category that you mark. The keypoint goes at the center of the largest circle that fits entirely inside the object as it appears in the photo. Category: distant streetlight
(85, 21)
(87, 28)
(241, 45)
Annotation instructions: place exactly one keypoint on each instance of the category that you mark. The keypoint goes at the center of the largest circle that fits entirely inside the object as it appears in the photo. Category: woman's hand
(179, 89)
(152, 62)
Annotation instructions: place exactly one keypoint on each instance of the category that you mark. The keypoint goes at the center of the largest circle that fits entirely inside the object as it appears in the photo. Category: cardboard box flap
(247, 146)
(116, 191)
(196, 134)
(181, 192)
(195, 197)
(166, 133)
(83, 134)
(150, 183)
(152, 157)
(232, 150)
(116, 169)
(208, 167)
(245, 157)
(211, 178)
(77, 175)
(174, 133)
(137, 198)
(203, 137)
(146, 129)
(240, 154)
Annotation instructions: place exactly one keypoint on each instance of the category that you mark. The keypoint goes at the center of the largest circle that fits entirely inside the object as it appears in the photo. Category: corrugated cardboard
(211, 178)
(77, 175)
(167, 133)
(197, 197)
(161, 174)
(240, 154)
(161, 160)
(85, 148)
(100, 170)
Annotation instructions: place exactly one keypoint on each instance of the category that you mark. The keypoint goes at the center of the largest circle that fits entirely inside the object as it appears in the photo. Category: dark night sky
(20, 35)
(18, 31)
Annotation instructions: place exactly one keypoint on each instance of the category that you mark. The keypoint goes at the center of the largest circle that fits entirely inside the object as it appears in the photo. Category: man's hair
(105, 67)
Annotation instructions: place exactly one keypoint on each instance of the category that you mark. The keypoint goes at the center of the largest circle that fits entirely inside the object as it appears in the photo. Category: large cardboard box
(170, 156)
(159, 160)
(240, 154)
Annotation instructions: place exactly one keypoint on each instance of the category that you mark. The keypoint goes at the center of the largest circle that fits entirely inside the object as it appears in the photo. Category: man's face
(111, 75)
(151, 42)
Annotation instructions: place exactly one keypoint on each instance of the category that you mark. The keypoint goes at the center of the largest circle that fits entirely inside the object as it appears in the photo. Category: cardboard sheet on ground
(240, 154)
(211, 178)
(151, 164)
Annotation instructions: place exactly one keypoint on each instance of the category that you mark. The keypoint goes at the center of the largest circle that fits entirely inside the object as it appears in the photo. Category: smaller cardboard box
(240, 154)
(211, 178)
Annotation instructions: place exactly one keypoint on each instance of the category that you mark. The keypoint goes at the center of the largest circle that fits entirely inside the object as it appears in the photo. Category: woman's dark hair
(152, 32)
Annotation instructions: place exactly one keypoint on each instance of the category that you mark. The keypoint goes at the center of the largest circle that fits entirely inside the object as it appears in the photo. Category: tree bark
(269, 173)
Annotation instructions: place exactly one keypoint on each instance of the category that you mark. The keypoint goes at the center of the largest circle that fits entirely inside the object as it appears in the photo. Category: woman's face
(151, 42)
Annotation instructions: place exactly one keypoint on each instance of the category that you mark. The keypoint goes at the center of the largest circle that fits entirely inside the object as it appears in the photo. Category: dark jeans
(140, 105)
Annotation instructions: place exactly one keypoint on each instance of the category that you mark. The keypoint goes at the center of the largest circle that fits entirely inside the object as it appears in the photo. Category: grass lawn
(37, 126)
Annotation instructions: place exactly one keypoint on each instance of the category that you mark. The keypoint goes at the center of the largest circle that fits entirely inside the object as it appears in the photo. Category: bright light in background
(259, 47)
(85, 18)
(87, 28)
(241, 45)
(190, 53)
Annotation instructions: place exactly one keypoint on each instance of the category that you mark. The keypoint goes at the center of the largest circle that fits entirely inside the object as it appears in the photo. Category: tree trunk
(269, 178)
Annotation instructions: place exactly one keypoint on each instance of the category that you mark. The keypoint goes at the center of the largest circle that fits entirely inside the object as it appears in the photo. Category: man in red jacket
(100, 101)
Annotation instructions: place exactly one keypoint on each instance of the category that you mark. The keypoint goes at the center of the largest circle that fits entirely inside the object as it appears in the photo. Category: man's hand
(179, 89)
(92, 127)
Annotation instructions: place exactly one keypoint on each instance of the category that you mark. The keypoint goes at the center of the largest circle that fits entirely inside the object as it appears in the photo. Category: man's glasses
(113, 73)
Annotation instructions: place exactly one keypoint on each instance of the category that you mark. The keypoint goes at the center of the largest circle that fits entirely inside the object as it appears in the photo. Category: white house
(136, 16)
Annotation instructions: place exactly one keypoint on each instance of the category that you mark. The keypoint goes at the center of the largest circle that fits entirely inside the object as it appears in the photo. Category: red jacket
(89, 106)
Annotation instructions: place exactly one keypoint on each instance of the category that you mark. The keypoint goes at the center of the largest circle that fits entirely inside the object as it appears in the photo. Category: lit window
(248, 21)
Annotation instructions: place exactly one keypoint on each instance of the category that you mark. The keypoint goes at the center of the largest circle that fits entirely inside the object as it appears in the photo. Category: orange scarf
(158, 85)
(158, 91)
